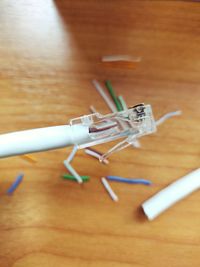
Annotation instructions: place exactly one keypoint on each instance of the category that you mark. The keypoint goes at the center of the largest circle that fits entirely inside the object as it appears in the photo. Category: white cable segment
(171, 194)
(41, 139)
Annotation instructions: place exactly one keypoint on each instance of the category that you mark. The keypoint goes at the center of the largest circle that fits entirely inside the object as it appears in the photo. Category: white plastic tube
(171, 194)
(41, 139)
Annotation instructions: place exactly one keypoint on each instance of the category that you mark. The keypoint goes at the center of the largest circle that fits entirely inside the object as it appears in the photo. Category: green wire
(113, 95)
(71, 177)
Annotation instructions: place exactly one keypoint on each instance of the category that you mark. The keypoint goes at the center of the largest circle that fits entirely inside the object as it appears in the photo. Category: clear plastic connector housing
(130, 124)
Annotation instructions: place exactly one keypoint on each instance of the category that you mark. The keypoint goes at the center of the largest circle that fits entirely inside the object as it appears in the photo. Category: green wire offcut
(113, 95)
(71, 177)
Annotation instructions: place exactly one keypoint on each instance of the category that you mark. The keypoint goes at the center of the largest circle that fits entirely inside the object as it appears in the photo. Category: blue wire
(15, 184)
(128, 180)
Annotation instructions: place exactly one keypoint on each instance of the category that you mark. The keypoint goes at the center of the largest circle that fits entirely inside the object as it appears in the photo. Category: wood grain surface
(49, 53)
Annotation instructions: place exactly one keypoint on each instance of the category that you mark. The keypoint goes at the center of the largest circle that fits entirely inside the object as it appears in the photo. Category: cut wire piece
(96, 154)
(106, 128)
(128, 180)
(109, 189)
(121, 61)
(72, 171)
(72, 178)
(15, 185)
(72, 154)
(168, 116)
(29, 158)
(116, 58)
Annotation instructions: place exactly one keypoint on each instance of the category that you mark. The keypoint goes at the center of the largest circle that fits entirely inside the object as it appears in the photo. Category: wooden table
(49, 53)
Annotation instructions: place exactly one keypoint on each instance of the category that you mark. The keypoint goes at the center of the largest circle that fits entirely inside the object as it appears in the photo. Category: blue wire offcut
(128, 180)
(15, 184)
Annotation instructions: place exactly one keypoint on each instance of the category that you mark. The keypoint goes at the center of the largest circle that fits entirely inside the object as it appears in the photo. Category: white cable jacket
(171, 194)
(41, 139)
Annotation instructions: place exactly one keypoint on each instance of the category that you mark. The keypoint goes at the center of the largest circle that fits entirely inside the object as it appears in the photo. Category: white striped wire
(72, 154)
(104, 96)
(72, 171)
(167, 116)
(109, 189)
(95, 155)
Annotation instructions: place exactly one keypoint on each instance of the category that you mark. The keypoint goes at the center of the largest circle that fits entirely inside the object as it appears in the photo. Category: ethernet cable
(85, 131)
